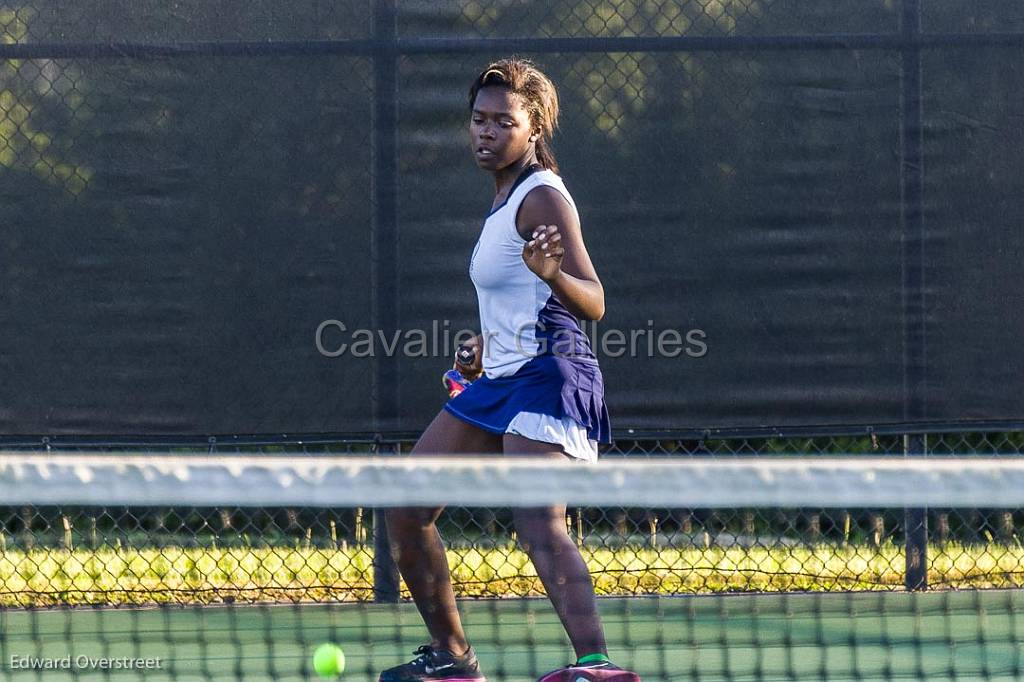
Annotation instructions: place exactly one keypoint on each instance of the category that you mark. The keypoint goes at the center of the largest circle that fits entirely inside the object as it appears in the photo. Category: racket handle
(465, 355)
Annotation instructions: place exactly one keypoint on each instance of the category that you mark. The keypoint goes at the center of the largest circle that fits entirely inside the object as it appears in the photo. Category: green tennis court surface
(804, 637)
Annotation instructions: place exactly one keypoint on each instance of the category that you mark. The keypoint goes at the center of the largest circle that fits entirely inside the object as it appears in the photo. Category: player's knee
(406, 520)
(539, 530)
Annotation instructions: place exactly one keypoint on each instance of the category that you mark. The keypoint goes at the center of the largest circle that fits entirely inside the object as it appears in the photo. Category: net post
(916, 523)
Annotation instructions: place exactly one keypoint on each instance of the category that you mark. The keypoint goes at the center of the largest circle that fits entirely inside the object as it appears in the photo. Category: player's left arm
(555, 252)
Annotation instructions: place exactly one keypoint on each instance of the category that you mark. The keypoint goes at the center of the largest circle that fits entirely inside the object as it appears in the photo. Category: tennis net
(231, 568)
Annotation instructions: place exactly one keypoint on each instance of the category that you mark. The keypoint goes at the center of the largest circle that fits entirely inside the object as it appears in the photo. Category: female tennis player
(537, 387)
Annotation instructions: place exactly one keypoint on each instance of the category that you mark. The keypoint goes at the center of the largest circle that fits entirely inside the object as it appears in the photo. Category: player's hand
(469, 358)
(543, 253)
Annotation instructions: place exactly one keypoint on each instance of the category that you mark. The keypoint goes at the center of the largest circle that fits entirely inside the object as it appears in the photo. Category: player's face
(499, 128)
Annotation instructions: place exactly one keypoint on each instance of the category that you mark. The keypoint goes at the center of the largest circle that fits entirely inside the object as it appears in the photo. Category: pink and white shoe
(590, 672)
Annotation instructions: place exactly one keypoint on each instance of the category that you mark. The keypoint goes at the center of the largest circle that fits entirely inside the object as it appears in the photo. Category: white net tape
(46, 479)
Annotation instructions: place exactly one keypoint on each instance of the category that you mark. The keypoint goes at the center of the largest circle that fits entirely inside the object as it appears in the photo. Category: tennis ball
(328, 660)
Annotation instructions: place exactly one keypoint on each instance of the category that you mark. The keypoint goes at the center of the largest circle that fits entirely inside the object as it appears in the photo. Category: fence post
(383, 246)
(384, 269)
(916, 523)
(913, 258)
(385, 571)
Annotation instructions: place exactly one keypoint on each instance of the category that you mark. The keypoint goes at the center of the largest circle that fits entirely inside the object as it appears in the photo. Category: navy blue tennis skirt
(547, 384)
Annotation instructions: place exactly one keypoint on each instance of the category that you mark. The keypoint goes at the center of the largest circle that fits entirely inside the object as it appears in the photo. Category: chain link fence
(249, 148)
(53, 140)
(179, 555)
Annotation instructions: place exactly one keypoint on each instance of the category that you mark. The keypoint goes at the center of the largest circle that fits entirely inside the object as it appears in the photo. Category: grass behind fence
(49, 577)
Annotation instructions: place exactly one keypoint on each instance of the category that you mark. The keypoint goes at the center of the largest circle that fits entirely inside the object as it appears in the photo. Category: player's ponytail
(522, 78)
(545, 156)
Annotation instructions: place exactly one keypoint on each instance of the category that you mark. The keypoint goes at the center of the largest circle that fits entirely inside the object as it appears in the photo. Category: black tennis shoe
(432, 665)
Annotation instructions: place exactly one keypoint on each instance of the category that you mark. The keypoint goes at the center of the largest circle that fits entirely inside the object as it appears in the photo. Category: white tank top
(520, 318)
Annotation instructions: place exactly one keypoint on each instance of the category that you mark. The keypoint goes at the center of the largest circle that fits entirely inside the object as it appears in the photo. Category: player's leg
(545, 538)
(543, 534)
(416, 544)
